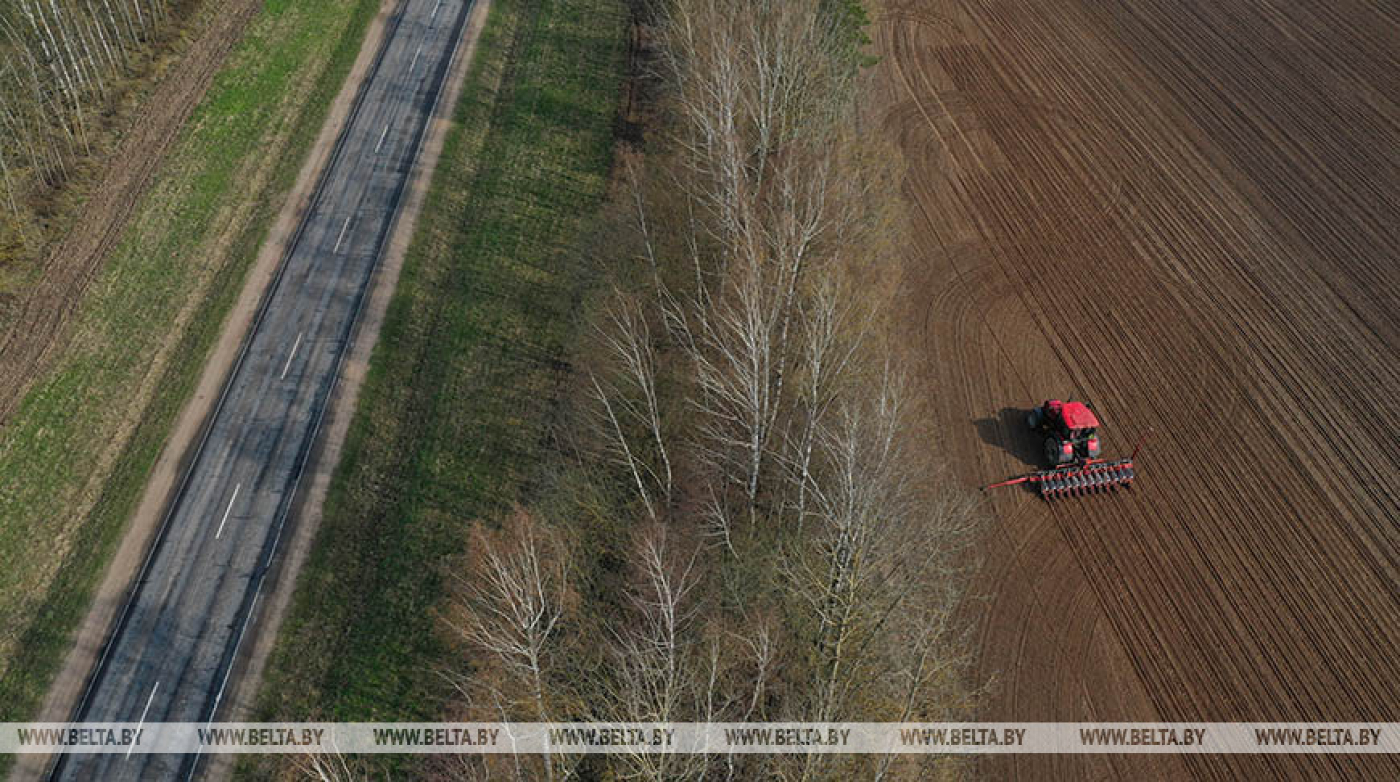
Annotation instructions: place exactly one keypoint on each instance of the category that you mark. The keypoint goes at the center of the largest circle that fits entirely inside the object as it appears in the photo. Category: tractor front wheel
(1036, 418)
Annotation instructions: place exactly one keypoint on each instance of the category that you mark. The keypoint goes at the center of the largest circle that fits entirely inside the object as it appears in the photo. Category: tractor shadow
(1007, 430)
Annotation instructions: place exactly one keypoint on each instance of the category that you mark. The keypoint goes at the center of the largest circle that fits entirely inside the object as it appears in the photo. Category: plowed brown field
(1187, 213)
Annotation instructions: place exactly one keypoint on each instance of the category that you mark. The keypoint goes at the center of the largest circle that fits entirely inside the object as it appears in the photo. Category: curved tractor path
(1189, 215)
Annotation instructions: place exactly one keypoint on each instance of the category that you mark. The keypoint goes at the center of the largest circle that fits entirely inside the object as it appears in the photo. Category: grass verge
(453, 415)
(75, 456)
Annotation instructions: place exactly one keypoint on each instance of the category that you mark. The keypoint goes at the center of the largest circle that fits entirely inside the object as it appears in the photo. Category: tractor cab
(1071, 430)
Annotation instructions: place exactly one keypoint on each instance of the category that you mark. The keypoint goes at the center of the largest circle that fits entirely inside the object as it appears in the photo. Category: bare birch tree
(508, 604)
(58, 59)
(329, 767)
(833, 335)
(654, 653)
(630, 399)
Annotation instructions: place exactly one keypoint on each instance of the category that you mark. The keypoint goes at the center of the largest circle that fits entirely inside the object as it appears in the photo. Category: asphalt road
(171, 652)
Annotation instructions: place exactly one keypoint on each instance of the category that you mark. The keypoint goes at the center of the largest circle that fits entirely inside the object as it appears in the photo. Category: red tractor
(1072, 448)
(1070, 430)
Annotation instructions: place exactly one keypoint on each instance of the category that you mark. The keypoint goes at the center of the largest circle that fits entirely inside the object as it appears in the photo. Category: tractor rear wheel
(1054, 451)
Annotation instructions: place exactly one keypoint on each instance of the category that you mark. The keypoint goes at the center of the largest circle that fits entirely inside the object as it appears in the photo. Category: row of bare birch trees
(59, 60)
(788, 552)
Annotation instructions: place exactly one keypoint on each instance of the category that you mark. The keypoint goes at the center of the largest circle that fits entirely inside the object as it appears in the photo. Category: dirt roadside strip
(306, 514)
(39, 331)
(68, 685)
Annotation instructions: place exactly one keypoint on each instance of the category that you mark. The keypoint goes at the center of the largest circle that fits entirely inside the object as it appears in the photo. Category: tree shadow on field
(1007, 430)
